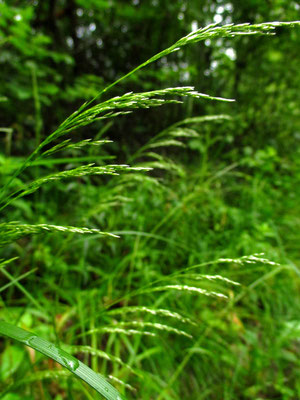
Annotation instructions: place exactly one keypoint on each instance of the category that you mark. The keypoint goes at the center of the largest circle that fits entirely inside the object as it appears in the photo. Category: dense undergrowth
(185, 304)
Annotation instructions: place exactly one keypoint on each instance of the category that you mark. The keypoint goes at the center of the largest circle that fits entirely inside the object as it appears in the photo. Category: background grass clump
(150, 241)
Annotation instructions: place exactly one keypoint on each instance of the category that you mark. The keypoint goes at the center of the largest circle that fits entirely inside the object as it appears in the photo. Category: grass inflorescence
(108, 311)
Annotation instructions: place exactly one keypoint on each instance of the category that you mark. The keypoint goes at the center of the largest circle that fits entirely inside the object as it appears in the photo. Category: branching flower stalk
(88, 113)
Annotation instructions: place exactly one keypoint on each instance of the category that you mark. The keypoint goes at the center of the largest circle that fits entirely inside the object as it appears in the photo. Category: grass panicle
(99, 324)
(12, 231)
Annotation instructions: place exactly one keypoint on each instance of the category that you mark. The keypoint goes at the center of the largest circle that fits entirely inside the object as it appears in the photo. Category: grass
(173, 308)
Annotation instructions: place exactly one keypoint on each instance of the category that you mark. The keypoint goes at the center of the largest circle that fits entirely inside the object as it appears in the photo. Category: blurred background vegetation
(232, 190)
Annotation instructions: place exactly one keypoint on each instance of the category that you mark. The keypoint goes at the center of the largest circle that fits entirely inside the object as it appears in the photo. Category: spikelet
(198, 277)
(130, 101)
(12, 231)
(66, 145)
(116, 329)
(185, 288)
(122, 383)
(155, 325)
(251, 259)
(230, 30)
(79, 172)
(201, 119)
(153, 311)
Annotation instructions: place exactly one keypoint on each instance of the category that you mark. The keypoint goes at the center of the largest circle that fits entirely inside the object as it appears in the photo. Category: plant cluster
(149, 304)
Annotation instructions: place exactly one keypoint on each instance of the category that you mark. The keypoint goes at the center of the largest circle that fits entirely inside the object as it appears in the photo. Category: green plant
(181, 281)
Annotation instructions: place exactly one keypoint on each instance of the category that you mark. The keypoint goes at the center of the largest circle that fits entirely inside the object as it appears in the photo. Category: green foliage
(140, 310)
(62, 357)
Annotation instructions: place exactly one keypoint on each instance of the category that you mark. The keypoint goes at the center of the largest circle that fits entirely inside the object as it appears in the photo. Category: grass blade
(75, 366)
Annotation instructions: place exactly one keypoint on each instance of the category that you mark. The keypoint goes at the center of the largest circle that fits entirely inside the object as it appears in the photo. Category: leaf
(75, 366)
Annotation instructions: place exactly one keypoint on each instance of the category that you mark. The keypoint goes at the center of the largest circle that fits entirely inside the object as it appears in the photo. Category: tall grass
(152, 308)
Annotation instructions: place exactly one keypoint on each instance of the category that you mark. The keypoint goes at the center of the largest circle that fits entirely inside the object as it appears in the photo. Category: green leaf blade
(71, 363)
